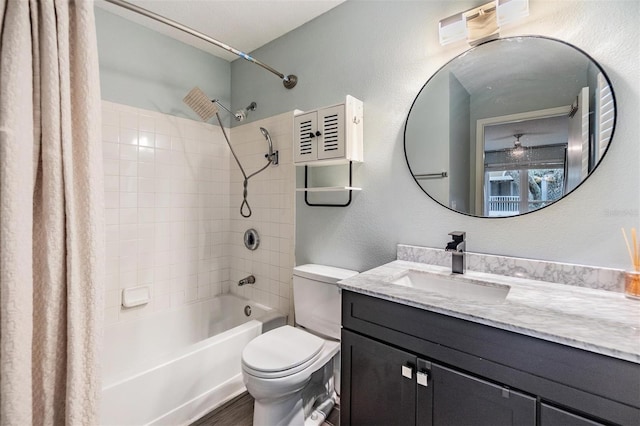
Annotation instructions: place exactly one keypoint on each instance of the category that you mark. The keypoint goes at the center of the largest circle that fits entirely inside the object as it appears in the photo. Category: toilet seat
(281, 352)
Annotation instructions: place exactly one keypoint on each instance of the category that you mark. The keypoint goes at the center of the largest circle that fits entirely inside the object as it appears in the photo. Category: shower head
(200, 103)
(206, 108)
(271, 156)
(266, 135)
(241, 114)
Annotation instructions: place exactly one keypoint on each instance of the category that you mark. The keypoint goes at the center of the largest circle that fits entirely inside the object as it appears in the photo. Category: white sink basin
(453, 286)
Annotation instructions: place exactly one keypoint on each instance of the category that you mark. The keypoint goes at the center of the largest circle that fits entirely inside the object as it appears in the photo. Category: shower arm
(288, 81)
(222, 105)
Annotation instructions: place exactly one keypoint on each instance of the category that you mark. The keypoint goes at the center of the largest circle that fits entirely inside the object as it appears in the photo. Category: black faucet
(457, 249)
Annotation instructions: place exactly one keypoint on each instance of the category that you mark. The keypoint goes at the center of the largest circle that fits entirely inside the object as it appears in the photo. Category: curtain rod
(288, 81)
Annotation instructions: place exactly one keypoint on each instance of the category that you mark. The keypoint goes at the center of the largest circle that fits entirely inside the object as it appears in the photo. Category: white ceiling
(242, 24)
(499, 64)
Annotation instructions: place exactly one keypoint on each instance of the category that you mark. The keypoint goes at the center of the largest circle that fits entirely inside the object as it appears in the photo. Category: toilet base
(321, 412)
(291, 412)
(304, 405)
(286, 412)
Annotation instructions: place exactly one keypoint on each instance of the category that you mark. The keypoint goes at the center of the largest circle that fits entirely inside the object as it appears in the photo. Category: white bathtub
(172, 367)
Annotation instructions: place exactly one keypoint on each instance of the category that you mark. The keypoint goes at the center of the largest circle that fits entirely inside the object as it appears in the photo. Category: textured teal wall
(145, 69)
(382, 52)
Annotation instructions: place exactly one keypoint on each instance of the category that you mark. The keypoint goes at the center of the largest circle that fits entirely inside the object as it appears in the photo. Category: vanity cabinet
(550, 415)
(403, 366)
(386, 373)
(461, 399)
(404, 389)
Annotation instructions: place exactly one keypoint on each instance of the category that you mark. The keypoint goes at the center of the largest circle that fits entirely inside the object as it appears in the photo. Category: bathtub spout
(248, 280)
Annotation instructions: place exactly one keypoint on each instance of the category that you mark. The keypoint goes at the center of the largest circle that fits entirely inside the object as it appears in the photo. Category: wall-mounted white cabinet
(330, 135)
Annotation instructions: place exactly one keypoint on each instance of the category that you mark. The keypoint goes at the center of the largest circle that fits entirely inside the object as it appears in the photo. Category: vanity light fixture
(481, 23)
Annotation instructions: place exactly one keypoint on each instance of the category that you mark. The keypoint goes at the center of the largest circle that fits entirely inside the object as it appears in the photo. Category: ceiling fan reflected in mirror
(518, 149)
(517, 143)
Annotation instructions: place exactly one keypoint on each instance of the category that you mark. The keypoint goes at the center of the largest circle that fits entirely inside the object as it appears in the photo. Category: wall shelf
(329, 189)
(307, 189)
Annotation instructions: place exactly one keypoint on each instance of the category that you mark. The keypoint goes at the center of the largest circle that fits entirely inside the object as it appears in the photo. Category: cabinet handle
(311, 135)
(422, 377)
(318, 133)
(407, 371)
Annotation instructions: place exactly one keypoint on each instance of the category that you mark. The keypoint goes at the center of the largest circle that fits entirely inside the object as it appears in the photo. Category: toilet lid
(281, 349)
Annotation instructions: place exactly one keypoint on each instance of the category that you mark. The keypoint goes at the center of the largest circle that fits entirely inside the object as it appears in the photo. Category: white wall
(459, 146)
(167, 209)
(427, 128)
(382, 53)
(270, 195)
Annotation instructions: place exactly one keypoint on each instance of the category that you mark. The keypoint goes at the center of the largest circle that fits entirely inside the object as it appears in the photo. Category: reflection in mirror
(510, 126)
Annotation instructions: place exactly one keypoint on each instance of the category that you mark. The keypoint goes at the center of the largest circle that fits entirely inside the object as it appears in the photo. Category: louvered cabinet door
(304, 139)
(331, 143)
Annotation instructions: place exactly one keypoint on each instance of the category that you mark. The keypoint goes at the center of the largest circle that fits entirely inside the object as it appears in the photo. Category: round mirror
(509, 126)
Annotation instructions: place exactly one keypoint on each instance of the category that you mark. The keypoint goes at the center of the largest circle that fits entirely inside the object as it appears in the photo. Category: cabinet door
(304, 137)
(424, 394)
(331, 143)
(459, 399)
(378, 383)
(552, 416)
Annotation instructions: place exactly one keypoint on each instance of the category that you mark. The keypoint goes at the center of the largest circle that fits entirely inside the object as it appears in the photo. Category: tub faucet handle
(247, 280)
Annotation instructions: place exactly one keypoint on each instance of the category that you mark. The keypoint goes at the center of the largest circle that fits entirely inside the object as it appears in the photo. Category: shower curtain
(51, 213)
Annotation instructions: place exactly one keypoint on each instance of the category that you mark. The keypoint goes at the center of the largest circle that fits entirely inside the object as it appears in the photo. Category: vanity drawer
(595, 384)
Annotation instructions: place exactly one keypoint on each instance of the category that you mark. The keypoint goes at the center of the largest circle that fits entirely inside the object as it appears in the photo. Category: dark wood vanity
(403, 365)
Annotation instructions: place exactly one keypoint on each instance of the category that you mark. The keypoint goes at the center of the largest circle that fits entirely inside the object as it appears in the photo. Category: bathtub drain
(247, 310)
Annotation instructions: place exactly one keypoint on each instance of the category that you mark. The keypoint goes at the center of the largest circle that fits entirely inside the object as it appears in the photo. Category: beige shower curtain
(51, 199)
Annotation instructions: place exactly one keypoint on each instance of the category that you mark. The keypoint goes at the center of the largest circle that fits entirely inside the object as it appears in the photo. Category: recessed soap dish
(136, 296)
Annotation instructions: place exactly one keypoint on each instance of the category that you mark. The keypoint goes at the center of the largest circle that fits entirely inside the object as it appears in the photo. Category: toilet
(293, 372)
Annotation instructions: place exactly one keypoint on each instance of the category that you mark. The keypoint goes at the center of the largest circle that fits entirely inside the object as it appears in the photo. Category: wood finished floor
(239, 412)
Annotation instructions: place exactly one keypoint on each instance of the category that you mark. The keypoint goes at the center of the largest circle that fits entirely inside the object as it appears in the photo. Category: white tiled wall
(167, 208)
(271, 197)
(173, 194)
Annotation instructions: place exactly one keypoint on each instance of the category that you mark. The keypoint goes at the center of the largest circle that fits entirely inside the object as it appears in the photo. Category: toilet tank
(316, 298)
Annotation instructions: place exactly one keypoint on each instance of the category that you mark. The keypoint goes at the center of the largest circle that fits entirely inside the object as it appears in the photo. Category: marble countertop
(599, 321)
